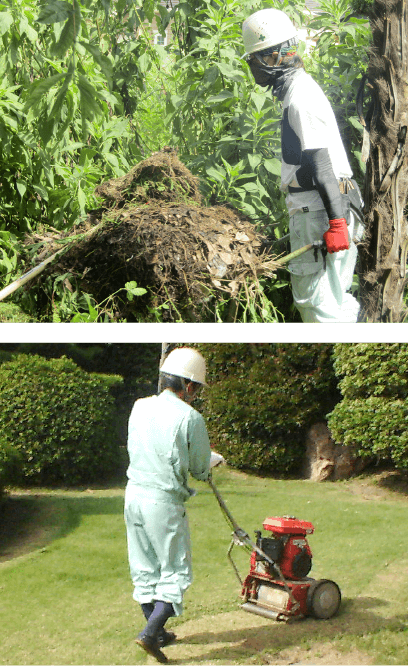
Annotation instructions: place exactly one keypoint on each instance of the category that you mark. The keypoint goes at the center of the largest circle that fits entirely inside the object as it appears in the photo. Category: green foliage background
(372, 417)
(60, 419)
(65, 420)
(85, 94)
(263, 397)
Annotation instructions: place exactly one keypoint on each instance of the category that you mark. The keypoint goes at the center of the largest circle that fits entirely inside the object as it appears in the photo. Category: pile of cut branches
(152, 229)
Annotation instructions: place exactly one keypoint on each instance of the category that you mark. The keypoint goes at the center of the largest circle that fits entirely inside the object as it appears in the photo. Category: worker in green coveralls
(167, 441)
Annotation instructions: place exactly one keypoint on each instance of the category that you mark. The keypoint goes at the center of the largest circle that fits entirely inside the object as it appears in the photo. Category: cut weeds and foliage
(152, 230)
(69, 602)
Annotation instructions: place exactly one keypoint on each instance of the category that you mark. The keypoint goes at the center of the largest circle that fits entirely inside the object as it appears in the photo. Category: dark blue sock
(147, 610)
(158, 618)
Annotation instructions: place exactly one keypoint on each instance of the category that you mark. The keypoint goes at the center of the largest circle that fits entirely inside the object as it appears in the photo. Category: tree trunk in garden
(383, 256)
(166, 348)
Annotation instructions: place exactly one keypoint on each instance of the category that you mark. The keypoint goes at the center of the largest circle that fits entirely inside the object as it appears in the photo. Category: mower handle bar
(241, 535)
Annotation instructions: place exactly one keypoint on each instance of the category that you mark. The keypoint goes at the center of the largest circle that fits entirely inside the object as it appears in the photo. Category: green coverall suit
(167, 440)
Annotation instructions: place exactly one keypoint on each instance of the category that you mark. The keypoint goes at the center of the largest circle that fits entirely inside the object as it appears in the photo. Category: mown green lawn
(70, 600)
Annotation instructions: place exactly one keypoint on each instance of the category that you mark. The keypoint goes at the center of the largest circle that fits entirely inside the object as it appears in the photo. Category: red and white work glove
(336, 237)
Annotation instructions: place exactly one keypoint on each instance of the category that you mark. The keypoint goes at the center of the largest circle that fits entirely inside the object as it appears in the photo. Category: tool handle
(315, 245)
(30, 275)
(224, 508)
(293, 255)
(33, 272)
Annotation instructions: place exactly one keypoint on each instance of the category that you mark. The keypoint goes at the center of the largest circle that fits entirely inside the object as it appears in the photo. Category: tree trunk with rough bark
(383, 255)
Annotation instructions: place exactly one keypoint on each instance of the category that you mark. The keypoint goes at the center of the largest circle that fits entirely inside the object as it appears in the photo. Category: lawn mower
(277, 585)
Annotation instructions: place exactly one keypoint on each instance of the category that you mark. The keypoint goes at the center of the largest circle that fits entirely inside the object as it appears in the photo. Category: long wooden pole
(37, 270)
(296, 253)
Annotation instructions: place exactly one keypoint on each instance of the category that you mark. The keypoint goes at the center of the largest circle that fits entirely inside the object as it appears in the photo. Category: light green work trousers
(320, 289)
(159, 549)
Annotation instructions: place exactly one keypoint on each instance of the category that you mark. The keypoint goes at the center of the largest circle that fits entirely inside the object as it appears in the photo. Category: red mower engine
(277, 585)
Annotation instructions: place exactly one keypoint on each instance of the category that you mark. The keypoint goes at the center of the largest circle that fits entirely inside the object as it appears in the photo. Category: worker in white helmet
(322, 200)
(167, 441)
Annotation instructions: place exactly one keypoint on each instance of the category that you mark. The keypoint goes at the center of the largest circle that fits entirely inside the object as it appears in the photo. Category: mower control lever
(240, 537)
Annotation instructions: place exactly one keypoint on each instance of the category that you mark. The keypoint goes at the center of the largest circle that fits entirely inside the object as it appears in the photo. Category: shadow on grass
(395, 481)
(356, 618)
(30, 522)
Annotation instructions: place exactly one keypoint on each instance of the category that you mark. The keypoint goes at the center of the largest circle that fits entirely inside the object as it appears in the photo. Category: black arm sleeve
(317, 164)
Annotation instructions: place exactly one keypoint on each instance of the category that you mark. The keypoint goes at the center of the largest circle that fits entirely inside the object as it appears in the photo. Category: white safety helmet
(185, 362)
(266, 28)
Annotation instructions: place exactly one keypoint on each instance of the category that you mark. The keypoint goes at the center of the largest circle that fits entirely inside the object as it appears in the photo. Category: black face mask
(265, 75)
(276, 78)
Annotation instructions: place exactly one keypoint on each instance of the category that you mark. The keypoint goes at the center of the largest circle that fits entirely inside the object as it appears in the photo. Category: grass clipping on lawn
(155, 232)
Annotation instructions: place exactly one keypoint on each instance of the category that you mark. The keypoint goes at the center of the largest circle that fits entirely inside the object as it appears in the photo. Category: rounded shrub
(262, 398)
(372, 418)
(59, 418)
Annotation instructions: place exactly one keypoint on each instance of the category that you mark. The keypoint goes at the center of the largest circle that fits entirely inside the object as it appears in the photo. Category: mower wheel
(323, 599)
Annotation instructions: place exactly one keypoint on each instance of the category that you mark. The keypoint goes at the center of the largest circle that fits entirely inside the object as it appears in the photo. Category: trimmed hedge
(262, 399)
(60, 419)
(372, 418)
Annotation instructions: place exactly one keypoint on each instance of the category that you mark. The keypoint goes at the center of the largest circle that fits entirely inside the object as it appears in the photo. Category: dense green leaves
(60, 419)
(372, 418)
(84, 94)
(218, 116)
(263, 397)
(55, 12)
(58, 101)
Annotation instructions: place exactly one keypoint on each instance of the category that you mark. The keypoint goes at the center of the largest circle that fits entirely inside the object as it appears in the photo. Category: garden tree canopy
(262, 398)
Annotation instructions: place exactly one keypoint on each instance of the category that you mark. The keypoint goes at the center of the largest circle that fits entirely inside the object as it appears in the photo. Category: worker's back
(167, 439)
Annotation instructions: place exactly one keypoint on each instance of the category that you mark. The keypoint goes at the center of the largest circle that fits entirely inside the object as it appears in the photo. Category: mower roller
(277, 585)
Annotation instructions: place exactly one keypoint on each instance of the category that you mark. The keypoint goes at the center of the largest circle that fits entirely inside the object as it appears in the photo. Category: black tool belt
(298, 190)
(346, 185)
(349, 190)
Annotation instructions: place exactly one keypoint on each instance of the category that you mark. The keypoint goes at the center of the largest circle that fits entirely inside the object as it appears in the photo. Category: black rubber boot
(151, 646)
(149, 638)
(158, 618)
(164, 637)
